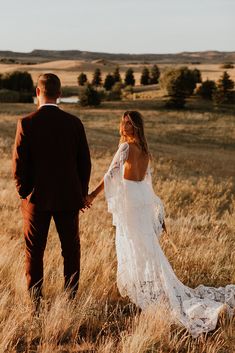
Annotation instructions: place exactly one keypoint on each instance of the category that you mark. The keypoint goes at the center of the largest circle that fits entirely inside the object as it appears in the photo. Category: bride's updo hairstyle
(137, 122)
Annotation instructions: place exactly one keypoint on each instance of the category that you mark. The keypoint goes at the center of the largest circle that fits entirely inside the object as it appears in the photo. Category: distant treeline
(178, 84)
(148, 77)
(16, 86)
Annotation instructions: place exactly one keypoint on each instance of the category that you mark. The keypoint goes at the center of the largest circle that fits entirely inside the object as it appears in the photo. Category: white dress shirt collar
(45, 104)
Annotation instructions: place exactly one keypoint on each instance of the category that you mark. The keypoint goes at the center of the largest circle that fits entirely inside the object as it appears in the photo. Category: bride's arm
(114, 170)
(100, 187)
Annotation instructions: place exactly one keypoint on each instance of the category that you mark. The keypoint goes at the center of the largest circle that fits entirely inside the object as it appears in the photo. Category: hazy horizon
(127, 26)
(121, 53)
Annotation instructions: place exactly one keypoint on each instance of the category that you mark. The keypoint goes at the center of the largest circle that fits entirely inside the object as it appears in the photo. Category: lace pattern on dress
(144, 274)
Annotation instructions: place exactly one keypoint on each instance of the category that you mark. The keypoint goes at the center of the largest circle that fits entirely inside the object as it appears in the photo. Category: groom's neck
(47, 100)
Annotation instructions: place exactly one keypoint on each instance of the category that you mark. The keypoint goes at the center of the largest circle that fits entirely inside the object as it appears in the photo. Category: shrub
(116, 92)
(16, 86)
(176, 102)
(18, 81)
(88, 96)
(227, 65)
(9, 96)
(26, 97)
(207, 89)
(128, 89)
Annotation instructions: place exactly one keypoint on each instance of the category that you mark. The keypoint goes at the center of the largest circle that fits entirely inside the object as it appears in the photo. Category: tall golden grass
(193, 160)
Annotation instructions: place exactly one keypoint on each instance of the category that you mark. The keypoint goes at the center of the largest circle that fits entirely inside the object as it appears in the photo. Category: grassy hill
(37, 56)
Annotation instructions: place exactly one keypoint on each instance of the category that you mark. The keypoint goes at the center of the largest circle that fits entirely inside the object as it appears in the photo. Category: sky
(118, 26)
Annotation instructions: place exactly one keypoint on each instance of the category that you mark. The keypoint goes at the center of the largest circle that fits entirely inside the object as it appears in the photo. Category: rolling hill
(38, 56)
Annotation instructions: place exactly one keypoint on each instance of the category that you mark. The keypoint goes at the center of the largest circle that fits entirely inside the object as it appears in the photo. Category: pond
(72, 99)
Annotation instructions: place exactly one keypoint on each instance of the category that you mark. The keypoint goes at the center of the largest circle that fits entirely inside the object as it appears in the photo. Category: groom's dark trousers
(51, 167)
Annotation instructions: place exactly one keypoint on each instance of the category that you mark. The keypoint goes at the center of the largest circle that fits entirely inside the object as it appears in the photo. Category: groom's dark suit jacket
(51, 160)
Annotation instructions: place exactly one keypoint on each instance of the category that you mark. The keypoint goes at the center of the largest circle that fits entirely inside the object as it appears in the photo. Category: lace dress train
(144, 273)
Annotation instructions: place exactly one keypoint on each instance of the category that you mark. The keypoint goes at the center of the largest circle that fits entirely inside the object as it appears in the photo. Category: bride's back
(137, 163)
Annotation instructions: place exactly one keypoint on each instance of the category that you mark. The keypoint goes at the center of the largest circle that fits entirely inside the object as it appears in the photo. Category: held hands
(90, 198)
(88, 201)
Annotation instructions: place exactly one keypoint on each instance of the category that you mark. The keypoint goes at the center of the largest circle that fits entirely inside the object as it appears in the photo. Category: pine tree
(96, 81)
(225, 82)
(129, 77)
(109, 82)
(82, 79)
(223, 93)
(145, 78)
(116, 75)
(155, 74)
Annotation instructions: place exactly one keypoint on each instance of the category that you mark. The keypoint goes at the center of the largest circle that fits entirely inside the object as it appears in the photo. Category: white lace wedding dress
(144, 273)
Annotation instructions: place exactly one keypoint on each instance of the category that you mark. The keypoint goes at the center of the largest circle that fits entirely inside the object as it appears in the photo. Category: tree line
(112, 84)
(147, 77)
(16, 86)
(178, 84)
(181, 83)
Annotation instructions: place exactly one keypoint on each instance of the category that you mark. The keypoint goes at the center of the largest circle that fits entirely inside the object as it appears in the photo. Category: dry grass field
(194, 174)
(68, 70)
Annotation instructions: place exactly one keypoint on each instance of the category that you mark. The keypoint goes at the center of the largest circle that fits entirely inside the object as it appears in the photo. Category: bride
(144, 273)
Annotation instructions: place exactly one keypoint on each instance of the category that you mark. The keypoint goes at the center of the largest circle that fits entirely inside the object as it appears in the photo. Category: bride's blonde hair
(137, 122)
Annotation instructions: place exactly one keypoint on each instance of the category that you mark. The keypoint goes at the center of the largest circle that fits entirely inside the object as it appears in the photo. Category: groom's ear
(37, 91)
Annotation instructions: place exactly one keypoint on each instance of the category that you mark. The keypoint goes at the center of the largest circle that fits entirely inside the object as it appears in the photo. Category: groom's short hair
(49, 85)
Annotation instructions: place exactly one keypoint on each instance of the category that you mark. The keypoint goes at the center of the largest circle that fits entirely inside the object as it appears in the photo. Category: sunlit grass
(194, 178)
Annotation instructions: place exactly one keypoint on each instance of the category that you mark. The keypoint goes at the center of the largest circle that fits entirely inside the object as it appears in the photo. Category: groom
(51, 167)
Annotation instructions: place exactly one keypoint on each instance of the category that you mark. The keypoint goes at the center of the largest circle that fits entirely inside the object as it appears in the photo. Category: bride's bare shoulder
(132, 146)
(135, 149)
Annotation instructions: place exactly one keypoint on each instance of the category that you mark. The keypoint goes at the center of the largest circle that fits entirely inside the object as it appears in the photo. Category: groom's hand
(85, 205)
(88, 200)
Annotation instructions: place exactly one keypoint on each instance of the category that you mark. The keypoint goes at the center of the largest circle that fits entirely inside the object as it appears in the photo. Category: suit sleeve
(84, 161)
(21, 162)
